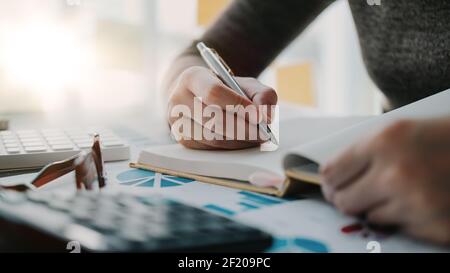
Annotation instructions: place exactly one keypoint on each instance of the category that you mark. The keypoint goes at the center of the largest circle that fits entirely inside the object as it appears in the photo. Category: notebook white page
(324, 148)
(241, 164)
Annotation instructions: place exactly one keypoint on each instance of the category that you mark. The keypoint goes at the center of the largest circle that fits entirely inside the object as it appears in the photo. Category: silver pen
(223, 71)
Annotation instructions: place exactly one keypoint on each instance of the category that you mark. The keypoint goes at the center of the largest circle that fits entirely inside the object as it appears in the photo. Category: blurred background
(111, 55)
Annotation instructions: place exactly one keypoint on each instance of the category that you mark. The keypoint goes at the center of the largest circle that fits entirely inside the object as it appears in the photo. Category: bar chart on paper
(244, 201)
(143, 178)
(217, 199)
(298, 244)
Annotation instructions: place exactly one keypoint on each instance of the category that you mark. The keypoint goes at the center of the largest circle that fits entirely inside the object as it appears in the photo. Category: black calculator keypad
(128, 222)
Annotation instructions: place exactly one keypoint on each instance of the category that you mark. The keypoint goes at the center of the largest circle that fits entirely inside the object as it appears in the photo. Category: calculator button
(82, 140)
(28, 136)
(26, 132)
(104, 222)
(73, 130)
(156, 231)
(11, 145)
(109, 138)
(6, 133)
(29, 139)
(112, 143)
(51, 132)
(87, 195)
(79, 136)
(133, 231)
(81, 214)
(60, 142)
(60, 204)
(9, 140)
(32, 143)
(39, 197)
(62, 147)
(58, 137)
(33, 149)
(12, 197)
(13, 150)
(84, 145)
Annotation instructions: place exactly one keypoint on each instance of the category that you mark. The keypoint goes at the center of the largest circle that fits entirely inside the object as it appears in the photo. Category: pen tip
(274, 140)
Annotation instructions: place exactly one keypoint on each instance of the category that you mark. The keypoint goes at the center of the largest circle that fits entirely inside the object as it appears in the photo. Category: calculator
(117, 221)
(29, 149)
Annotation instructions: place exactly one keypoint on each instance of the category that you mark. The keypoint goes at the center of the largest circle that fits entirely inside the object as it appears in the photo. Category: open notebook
(305, 143)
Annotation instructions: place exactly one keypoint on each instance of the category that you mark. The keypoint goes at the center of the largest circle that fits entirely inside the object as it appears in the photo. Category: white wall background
(154, 31)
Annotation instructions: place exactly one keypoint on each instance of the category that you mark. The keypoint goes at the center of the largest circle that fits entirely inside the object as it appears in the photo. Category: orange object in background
(208, 10)
(295, 84)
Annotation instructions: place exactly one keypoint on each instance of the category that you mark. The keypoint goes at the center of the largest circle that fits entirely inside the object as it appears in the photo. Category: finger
(231, 145)
(436, 231)
(359, 196)
(208, 140)
(217, 142)
(231, 125)
(346, 166)
(204, 84)
(203, 145)
(225, 124)
(386, 213)
(192, 144)
(259, 93)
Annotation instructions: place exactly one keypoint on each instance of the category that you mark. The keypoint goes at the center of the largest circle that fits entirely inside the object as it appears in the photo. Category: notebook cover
(242, 185)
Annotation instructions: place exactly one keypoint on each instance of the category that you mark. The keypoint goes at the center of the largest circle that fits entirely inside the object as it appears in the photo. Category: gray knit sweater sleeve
(251, 33)
(406, 46)
(405, 43)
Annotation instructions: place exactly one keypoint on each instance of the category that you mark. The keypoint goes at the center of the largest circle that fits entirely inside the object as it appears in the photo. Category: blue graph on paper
(240, 201)
(245, 201)
(144, 178)
(298, 244)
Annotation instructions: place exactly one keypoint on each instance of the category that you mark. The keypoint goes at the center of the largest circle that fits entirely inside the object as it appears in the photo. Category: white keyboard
(36, 148)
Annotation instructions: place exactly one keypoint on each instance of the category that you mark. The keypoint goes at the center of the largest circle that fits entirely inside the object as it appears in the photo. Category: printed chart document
(305, 144)
(234, 168)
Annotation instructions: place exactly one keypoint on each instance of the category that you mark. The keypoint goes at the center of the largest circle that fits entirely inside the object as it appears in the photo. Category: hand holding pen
(201, 82)
(224, 72)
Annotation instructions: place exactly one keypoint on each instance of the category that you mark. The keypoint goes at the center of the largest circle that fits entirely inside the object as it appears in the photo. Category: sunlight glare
(44, 58)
